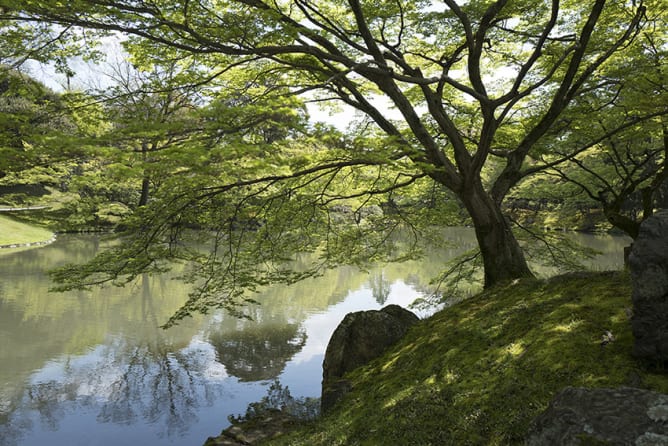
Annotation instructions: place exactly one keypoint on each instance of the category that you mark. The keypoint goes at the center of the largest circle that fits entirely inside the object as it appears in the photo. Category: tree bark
(145, 189)
(146, 181)
(503, 258)
(630, 226)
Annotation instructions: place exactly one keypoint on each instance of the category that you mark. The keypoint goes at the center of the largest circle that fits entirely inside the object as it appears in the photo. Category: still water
(93, 368)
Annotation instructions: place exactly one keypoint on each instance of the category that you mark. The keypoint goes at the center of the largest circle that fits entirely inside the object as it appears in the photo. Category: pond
(93, 368)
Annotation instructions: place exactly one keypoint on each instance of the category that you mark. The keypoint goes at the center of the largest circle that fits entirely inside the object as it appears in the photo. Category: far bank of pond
(94, 368)
(15, 234)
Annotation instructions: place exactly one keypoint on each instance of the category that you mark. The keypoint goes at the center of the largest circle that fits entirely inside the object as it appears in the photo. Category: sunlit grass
(480, 371)
(14, 232)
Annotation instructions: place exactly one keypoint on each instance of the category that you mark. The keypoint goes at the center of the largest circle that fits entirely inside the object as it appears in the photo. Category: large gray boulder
(615, 417)
(359, 338)
(648, 263)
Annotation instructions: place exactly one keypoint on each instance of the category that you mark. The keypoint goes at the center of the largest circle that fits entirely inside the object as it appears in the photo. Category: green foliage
(29, 113)
(208, 122)
(609, 149)
(251, 230)
(88, 116)
(42, 153)
(479, 371)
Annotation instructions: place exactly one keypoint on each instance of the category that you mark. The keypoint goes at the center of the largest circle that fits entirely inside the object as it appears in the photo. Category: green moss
(15, 232)
(587, 440)
(480, 371)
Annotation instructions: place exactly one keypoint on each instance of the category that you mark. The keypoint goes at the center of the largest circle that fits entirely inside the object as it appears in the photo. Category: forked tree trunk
(503, 259)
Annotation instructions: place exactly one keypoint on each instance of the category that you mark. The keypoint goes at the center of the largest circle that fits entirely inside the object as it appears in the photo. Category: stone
(615, 417)
(272, 424)
(359, 338)
(648, 263)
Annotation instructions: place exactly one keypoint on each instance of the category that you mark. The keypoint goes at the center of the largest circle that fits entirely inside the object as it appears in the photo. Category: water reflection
(122, 383)
(94, 368)
(258, 352)
(380, 287)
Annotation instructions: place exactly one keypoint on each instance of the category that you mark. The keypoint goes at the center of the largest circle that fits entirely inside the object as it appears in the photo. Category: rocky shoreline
(30, 244)
(270, 425)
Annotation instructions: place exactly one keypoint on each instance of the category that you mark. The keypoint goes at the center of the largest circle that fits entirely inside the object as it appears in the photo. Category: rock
(648, 263)
(614, 417)
(359, 338)
(252, 432)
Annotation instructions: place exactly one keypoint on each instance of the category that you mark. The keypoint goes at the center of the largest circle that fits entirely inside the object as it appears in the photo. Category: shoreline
(30, 244)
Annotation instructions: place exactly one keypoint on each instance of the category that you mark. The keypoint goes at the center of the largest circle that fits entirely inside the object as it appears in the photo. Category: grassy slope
(14, 232)
(478, 372)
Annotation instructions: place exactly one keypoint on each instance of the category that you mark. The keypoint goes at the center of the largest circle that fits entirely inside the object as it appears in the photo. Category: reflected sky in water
(93, 368)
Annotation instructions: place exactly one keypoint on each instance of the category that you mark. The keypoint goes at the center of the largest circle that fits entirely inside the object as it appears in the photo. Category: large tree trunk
(503, 259)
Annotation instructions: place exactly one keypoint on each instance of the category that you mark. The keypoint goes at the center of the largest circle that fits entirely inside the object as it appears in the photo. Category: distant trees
(612, 145)
(627, 177)
(146, 116)
(29, 112)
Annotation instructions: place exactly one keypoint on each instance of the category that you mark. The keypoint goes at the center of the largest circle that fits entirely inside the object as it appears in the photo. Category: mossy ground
(478, 372)
(16, 232)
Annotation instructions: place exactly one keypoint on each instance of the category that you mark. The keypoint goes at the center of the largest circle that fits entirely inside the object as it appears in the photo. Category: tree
(36, 127)
(148, 117)
(625, 176)
(478, 87)
(29, 111)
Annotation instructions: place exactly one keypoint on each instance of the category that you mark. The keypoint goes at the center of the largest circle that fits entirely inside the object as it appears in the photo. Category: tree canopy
(483, 94)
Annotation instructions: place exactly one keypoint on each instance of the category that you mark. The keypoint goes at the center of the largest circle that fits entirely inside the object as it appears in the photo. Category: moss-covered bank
(478, 372)
(15, 233)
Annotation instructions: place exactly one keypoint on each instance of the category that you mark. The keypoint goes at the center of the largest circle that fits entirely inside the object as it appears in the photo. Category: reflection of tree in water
(158, 385)
(145, 383)
(380, 287)
(150, 377)
(258, 352)
(43, 397)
